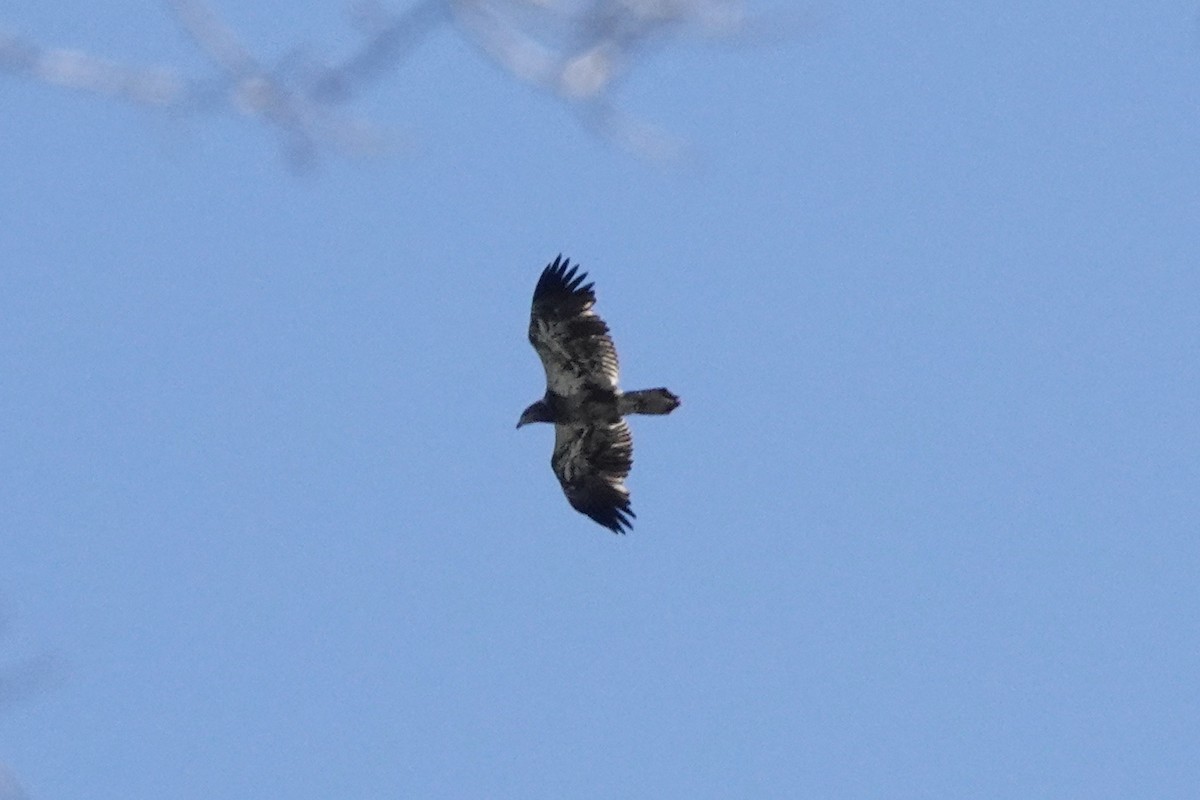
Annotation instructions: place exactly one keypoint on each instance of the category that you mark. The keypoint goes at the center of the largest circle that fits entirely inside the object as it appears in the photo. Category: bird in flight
(593, 448)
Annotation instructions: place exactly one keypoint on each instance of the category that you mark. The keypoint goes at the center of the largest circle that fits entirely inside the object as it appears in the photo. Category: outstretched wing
(592, 462)
(572, 342)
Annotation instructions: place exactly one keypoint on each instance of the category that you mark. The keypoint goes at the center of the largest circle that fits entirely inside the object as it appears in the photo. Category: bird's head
(538, 412)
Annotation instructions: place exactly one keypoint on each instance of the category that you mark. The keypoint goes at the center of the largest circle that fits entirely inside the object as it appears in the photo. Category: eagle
(593, 448)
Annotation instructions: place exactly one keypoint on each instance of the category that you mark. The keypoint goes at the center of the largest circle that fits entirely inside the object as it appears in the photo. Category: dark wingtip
(561, 279)
(618, 519)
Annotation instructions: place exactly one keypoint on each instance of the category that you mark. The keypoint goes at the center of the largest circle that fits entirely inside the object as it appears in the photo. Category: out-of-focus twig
(576, 50)
(579, 49)
(255, 91)
(74, 69)
(20, 680)
(9, 788)
(391, 38)
(214, 37)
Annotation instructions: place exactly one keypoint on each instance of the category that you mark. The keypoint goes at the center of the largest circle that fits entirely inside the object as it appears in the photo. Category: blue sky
(924, 526)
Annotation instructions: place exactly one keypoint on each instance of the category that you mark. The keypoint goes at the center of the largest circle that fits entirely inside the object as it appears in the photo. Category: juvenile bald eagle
(593, 448)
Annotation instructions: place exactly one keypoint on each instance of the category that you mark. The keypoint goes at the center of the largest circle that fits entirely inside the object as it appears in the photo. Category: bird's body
(593, 447)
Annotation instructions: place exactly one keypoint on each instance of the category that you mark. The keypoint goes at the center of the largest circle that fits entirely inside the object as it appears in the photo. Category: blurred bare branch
(576, 50)
(390, 38)
(73, 69)
(9, 788)
(24, 678)
(18, 681)
(255, 91)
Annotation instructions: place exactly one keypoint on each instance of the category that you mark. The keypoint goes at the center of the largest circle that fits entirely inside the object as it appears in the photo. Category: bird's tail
(648, 401)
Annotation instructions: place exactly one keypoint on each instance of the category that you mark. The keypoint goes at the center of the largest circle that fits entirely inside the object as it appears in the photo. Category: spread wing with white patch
(572, 342)
(592, 462)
